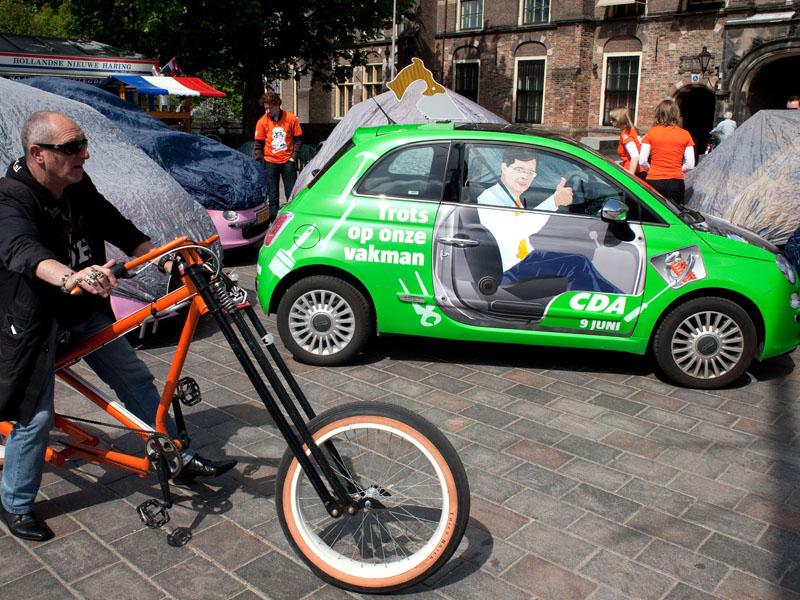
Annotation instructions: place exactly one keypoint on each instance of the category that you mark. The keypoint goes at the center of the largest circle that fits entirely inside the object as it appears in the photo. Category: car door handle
(458, 242)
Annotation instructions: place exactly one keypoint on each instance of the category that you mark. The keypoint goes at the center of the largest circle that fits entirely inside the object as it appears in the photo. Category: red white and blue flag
(172, 68)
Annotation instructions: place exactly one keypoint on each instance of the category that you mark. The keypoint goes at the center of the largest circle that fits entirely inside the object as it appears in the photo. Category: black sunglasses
(69, 148)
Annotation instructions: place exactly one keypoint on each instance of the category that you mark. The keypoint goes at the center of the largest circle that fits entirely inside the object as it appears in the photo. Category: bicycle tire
(383, 448)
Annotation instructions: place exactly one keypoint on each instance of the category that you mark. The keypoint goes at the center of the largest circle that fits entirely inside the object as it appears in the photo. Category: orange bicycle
(371, 496)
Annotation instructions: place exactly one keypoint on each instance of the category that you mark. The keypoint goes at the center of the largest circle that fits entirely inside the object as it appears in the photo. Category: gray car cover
(753, 178)
(137, 186)
(218, 177)
(374, 112)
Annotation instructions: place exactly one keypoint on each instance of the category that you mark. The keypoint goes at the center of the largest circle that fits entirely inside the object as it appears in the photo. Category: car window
(414, 172)
(539, 180)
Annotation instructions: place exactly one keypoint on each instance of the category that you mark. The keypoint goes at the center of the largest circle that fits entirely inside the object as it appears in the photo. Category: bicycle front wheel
(409, 484)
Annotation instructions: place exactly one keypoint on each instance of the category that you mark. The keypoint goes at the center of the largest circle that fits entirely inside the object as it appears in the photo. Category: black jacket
(34, 227)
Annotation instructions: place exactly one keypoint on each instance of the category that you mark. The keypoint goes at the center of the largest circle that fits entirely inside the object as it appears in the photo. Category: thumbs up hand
(563, 194)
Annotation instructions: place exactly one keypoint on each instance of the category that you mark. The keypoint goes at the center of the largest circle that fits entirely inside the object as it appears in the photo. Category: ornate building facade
(564, 64)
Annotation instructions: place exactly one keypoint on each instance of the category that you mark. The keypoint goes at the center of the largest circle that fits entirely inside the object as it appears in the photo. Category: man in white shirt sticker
(513, 230)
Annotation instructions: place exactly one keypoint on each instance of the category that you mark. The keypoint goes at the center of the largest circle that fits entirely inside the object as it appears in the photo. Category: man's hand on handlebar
(95, 279)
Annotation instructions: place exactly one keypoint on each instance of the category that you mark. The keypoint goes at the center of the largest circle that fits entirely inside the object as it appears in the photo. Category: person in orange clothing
(629, 145)
(667, 152)
(277, 144)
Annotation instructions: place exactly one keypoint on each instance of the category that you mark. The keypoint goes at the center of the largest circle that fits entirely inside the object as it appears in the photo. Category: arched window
(530, 61)
(466, 72)
(622, 57)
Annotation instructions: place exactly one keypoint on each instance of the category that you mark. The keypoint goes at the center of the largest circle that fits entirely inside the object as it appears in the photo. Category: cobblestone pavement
(591, 478)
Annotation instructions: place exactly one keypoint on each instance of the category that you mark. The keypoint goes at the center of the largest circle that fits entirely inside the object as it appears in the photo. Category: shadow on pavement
(541, 357)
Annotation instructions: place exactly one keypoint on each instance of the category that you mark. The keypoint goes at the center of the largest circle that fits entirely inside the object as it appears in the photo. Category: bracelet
(164, 260)
(64, 282)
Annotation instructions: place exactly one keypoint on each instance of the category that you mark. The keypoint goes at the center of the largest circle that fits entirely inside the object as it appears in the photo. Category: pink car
(238, 228)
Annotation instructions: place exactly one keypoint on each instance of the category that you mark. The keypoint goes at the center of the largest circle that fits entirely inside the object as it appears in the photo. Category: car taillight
(277, 225)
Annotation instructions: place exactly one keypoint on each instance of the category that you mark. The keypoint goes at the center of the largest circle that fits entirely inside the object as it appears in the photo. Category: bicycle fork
(225, 309)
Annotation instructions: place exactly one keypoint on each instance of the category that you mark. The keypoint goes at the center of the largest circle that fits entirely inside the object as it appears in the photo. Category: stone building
(563, 64)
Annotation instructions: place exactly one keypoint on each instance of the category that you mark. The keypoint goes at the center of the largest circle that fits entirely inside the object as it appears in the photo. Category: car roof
(438, 126)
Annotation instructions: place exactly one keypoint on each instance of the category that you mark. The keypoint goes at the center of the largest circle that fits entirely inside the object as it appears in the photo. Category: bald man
(53, 228)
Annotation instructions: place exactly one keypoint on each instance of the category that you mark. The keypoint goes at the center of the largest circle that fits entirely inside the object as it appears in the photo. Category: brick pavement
(590, 477)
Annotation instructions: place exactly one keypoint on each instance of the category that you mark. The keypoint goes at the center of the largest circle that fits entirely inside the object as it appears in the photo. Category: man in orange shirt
(277, 144)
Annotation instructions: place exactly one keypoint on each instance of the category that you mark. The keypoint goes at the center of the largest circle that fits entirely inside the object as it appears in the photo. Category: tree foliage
(243, 41)
(40, 18)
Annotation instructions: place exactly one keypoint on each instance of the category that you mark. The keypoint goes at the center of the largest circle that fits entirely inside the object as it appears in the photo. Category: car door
(522, 245)
(389, 231)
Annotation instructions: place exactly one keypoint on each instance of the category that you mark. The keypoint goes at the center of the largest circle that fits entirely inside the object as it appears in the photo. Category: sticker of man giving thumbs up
(521, 261)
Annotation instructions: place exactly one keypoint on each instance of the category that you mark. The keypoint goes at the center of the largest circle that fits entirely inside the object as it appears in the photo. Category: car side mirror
(614, 211)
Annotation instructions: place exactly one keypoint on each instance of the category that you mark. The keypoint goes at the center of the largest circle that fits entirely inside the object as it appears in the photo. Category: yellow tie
(522, 249)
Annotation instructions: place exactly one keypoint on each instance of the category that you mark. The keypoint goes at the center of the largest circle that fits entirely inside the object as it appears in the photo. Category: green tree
(246, 40)
(42, 18)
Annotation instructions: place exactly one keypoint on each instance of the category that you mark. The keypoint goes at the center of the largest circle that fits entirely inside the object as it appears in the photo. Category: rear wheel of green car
(705, 343)
(323, 320)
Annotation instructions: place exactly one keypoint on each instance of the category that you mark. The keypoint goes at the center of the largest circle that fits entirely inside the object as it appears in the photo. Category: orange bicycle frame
(254, 349)
(84, 444)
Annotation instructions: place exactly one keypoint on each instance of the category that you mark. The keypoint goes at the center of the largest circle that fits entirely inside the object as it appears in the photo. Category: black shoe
(27, 526)
(199, 467)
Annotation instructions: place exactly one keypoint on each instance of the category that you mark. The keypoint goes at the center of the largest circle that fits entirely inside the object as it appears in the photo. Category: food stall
(136, 87)
(133, 77)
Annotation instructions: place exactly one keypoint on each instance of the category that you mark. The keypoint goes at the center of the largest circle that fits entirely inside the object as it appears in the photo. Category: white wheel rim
(707, 345)
(360, 568)
(321, 322)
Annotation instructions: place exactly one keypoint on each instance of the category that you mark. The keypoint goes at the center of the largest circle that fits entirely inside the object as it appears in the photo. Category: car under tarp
(378, 110)
(140, 189)
(752, 179)
(216, 176)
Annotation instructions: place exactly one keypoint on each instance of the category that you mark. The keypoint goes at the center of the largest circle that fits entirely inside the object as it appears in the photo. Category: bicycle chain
(110, 425)
(165, 439)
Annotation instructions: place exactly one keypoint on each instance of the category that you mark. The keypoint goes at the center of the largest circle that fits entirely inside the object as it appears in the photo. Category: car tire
(323, 320)
(705, 343)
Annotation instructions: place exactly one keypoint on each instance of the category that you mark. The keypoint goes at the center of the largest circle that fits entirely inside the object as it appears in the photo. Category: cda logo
(597, 303)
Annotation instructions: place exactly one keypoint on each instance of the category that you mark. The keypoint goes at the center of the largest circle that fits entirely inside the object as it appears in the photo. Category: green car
(499, 233)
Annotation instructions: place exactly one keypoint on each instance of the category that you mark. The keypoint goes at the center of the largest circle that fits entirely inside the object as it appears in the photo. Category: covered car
(231, 186)
(752, 178)
(140, 189)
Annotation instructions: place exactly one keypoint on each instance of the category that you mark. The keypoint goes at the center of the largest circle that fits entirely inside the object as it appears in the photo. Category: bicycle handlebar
(122, 270)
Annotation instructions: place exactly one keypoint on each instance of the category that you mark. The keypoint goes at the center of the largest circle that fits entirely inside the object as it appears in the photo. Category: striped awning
(173, 86)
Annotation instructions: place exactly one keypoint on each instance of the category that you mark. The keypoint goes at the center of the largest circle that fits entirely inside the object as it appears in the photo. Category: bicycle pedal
(188, 391)
(153, 513)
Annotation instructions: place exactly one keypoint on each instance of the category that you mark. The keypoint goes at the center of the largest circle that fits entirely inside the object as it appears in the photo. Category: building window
(529, 91)
(343, 98)
(373, 80)
(535, 11)
(622, 85)
(466, 79)
(704, 4)
(632, 9)
(471, 14)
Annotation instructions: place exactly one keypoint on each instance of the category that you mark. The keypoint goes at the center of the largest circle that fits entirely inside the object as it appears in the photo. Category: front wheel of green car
(323, 320)
(705, 343)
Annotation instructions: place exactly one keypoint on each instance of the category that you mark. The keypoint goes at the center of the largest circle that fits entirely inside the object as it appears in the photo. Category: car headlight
(230, 215)
(786, 268)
